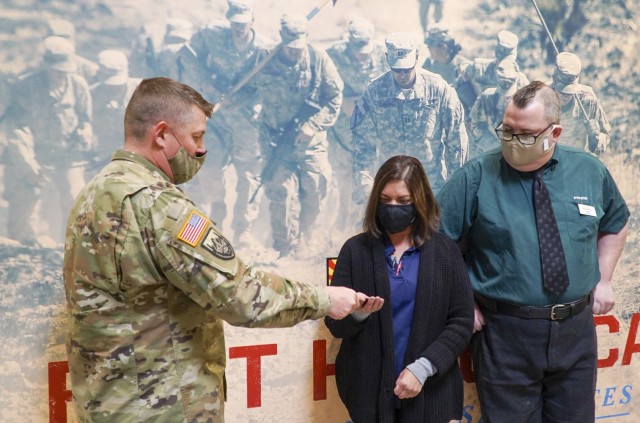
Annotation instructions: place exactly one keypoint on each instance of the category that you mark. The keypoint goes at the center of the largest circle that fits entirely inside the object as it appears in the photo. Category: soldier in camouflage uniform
(488, 110)
(149, 278)
(359, 59)
(51, 109)
(411, 111)
(86, 68)
(167, 59)
(221, 54)
(425, 5)
(443, 54)
(481, 73)
(110, 96)
(301, 93)
(590, 132)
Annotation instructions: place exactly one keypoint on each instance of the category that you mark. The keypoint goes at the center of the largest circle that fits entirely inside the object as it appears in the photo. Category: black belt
(551, 312)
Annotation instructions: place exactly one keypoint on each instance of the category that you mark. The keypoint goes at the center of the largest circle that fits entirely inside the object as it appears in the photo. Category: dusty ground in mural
(32, 297)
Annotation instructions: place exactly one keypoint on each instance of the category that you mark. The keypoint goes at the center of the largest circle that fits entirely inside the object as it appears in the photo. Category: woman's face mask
(396, 217)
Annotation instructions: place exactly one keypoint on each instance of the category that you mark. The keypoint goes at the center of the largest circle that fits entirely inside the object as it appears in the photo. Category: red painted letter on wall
(321, 370)
(59, 395)
(253, 354)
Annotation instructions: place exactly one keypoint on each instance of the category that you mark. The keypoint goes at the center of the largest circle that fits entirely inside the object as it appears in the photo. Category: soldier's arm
(329, 96)
(455, 136)
(200, 262)
(363, 147)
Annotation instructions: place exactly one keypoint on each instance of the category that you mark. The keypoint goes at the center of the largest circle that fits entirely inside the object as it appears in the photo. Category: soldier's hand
(305, 134)
(344, 301)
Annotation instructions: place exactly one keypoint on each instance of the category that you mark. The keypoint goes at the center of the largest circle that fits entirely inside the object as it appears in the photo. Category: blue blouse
(403, 280)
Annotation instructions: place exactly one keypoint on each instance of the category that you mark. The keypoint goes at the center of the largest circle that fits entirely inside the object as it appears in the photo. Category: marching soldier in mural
(110, 96)
(149, 278)
(301, 93)
(66, 29)
(443, 54)
(52, 106)
(425, 6)
(588, 132)
(481, 73)
(217, 58)
(488, 110)
(359, 59)
(167, 59)
(411, 111)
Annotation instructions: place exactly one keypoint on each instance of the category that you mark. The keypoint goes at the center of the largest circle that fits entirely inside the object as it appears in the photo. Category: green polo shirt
(491, 204)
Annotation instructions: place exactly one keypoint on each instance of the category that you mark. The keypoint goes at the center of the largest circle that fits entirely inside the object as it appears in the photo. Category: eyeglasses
(524, 139)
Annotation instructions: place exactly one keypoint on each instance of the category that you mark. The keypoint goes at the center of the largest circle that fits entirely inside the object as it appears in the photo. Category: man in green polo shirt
(534, 350)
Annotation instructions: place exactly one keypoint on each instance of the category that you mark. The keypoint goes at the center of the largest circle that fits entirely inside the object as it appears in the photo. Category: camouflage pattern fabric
(486, 114)
(425, 121)
(148, 280)
(449, 71)
(221, 64)
(283, 91)
(220, 67)
(575, 132)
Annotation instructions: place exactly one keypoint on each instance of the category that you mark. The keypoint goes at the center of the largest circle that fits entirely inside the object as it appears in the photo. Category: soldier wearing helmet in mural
(359, 58)
(216, 58)
(488, 110)
(425, 7)
(301, 93)
(110, 95)
(50, 110)
(588, 132)
(168, 61)
(407, 110)
(444, 57)
(481, 74)
(66, 29)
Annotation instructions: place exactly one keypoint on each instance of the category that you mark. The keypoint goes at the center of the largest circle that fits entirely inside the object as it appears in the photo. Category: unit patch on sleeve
(218, 245)
(193, 228)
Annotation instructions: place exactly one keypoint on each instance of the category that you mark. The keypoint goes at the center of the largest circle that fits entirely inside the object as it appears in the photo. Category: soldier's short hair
(161, 99)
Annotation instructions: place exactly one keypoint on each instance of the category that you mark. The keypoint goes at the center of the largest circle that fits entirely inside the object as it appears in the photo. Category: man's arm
(610, 246)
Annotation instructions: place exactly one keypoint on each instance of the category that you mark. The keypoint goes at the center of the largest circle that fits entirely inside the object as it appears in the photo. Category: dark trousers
(536, 370)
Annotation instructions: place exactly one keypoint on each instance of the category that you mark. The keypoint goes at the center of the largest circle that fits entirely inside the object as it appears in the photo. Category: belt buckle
(560, 307)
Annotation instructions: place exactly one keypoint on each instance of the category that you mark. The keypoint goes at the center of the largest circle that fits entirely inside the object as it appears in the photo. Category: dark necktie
(554, 265)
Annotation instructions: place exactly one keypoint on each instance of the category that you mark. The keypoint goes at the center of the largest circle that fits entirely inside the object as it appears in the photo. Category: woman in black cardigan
(400, 365)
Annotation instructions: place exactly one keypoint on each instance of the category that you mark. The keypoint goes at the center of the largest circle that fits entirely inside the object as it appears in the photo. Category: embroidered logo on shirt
(193, 228)
(218, 245)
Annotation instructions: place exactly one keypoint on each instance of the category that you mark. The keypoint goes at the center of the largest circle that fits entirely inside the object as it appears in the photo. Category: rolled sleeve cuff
(422, 369)
(324, 302)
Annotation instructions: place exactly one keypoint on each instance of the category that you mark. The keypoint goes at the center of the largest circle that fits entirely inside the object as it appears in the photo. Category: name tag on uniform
(586, 210)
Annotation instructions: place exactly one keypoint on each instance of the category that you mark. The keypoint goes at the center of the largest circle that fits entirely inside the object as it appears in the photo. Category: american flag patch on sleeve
(193, 228)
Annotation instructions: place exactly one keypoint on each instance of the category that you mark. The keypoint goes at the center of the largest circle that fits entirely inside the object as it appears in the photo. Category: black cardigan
(441, 329)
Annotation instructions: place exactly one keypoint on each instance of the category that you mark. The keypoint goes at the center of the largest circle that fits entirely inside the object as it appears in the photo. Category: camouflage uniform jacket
(148, 280)
(425, 121)
(576, 130)
(356, 75)
(481, 73)
(449, 71)
(285, 89)
(220, 64)
(486, 114)
(54, 116)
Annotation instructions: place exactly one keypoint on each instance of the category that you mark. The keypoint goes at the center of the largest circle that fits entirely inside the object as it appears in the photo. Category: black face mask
(395, 218)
